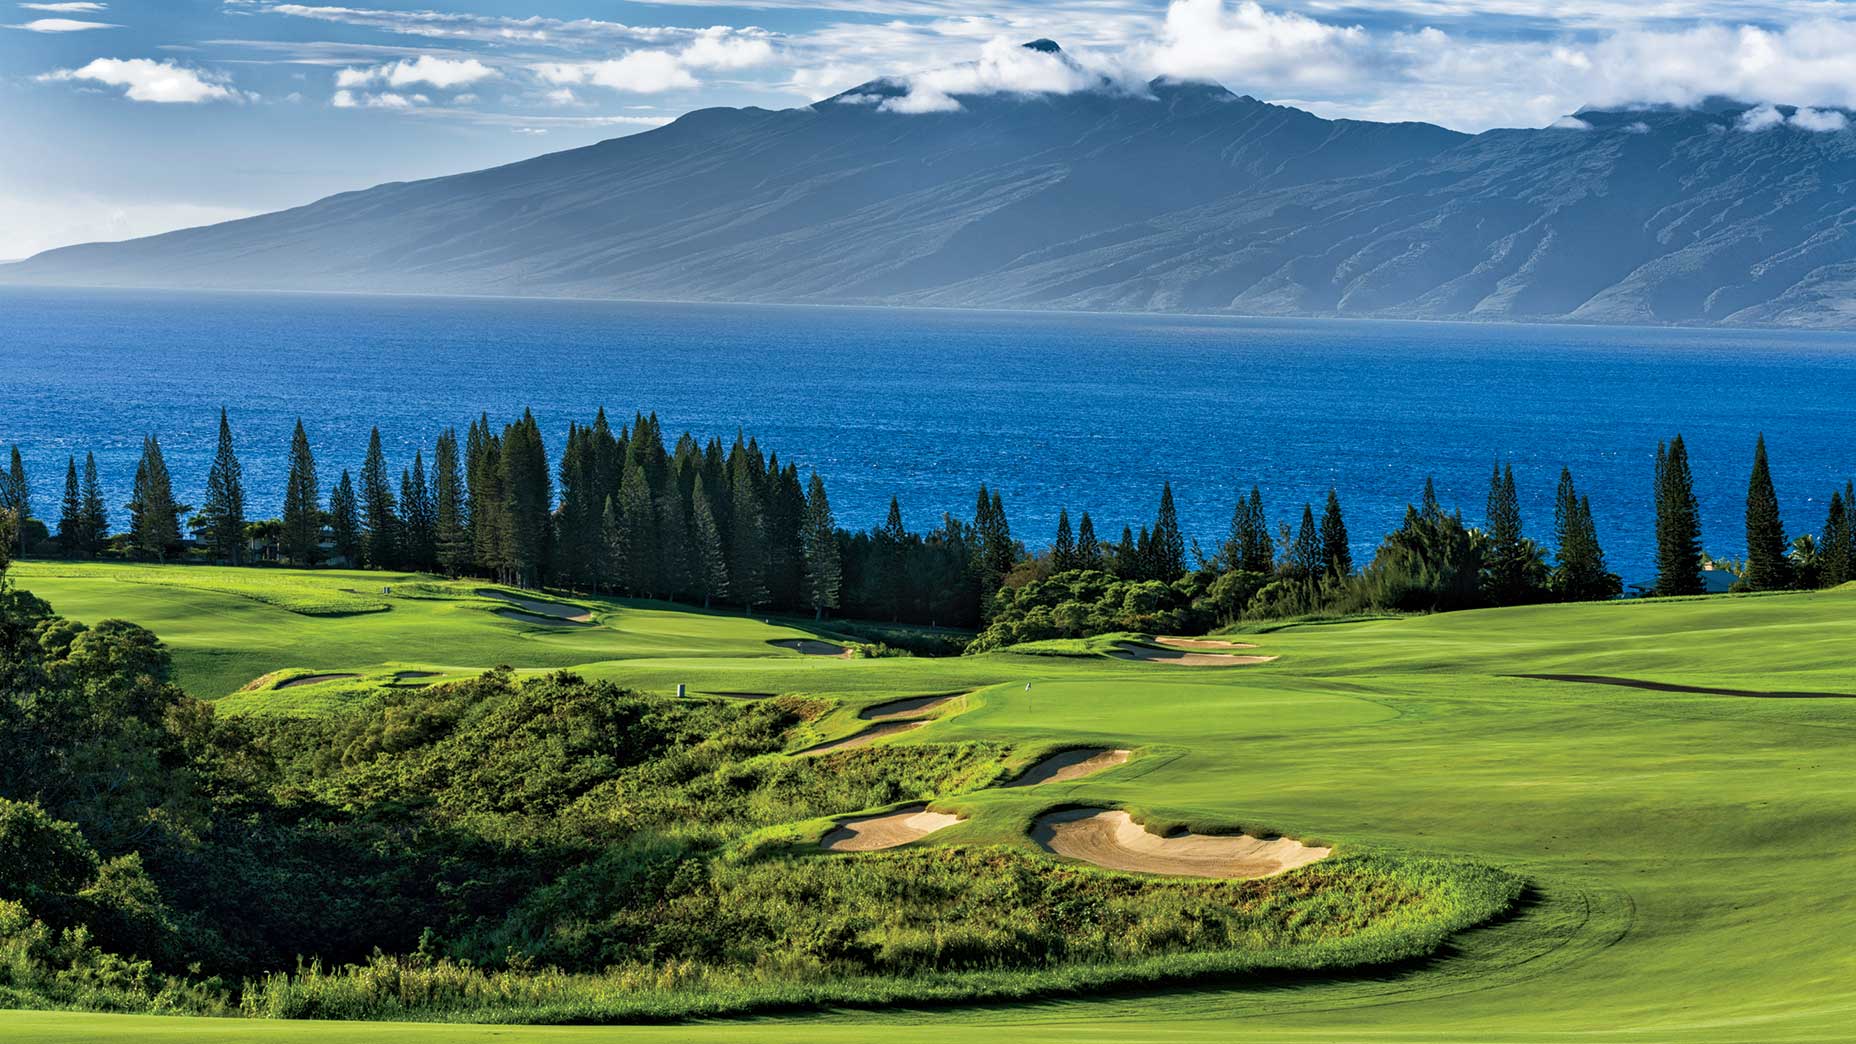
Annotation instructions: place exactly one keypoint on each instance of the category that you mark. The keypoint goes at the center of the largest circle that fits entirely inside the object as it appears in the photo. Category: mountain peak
(1043, 45)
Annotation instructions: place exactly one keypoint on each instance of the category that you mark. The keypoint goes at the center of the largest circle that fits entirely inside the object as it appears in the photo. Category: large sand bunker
(1067, 765)
(1202, 643)
(1150, 654)
(551, 611)
(813, 647)
(864, 738)
(870, 833)
(312, 679)
(1702, 690)
(1112, 839)
(913, 707)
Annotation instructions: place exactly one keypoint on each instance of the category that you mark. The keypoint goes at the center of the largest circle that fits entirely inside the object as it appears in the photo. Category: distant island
(1179, 197)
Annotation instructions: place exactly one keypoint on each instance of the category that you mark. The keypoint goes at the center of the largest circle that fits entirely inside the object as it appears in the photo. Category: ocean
(1089, 412)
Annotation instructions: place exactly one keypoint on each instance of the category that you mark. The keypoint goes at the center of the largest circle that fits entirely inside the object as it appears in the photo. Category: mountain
(1177, 197)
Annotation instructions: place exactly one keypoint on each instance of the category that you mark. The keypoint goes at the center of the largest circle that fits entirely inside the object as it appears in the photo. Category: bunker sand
(862, 739)
(1112, 839)
(913, 707)
(554, 610)
(312, 679)
(1149, 654)
(871, 833)
(1202, 643)
(1067, 765)
(813, 647)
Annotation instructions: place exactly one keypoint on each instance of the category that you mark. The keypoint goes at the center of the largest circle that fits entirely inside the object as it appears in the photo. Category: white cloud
(1823, 121)
(564, 96)
(1639, 127)
(442, 73)
(723, 48)
(61, 25)
(1570, 123)
(346, 99)
(639, 72)
(1244, 44)
(79, 7)
(1004, 67)
(1759, 118)
(146, 80)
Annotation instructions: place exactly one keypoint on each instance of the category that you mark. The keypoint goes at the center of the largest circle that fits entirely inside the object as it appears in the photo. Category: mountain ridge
(1176, 197)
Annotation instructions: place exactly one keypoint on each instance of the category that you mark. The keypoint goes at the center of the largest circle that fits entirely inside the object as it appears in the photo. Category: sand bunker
(1114, 840)
(1067, 765)
(864, 738)
(1149, 654)
(1703, 690)
(813, 647)
(572, 614)
(913, 707)
(870, 833)
(312, 679)
(1202, 643)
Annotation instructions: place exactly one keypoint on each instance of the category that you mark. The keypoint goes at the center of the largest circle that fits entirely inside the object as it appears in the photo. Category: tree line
(621, 511)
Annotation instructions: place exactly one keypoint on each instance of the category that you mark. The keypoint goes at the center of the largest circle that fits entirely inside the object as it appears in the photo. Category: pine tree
(1127, 556)
(345, 521)
(892, 543)
(1305, 554)
(96, 514)
(225, 499)
(612, 544)
(418, 517)
(638, 524)
(1169, 547)
(379, 509)
(451, 518)
(154, 516)
(1508, 558)
(1579, 572)
(824, 574)
(1767, 568)
(528, 497)
(1678, 523)
(16, 496)
(747, 566)
(674, 545)
(302, 517)
(1063, 549)
(1088, 547)
(1427, 507)
(71, 516)
(712, 572)
(1336, 553)
(489, 514)
(1835, 552)
(1249, 547)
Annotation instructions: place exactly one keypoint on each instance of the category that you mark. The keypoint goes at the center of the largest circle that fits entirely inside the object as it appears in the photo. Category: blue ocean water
(1084, 411)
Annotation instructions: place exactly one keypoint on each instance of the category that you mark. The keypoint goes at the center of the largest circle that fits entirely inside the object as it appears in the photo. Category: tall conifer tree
(224, 508)
(302, 517)
(16, 496)
(379, 509)
(747, 565)
(345, 521)
(1337, 556)
(1063, 549)
(1767, 568)
(1305, 554)
(71, 515)
(824, 575)
(154, 515)
(1169, 547)
(712, 572)
(1088, 545)
(528, 491)
(1678, 523)
(1834, 554)
(451, 517)
(638, 525)
(96, 512)
(419, 518)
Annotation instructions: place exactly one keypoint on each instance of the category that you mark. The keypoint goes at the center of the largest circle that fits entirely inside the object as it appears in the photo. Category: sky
(121, 118)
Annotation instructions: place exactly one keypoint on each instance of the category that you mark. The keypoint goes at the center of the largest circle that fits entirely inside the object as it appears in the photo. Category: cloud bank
(146, 80)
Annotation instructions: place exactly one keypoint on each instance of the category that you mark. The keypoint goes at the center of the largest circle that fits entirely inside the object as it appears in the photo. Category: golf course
(1670, 782)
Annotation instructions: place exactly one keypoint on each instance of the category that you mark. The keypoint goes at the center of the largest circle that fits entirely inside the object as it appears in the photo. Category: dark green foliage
(302, 517)
(824, 568)
(154, 514)
(1063, 548)
(380, 523)
(1432, 562)
(636, 543)
(1514, 570)
(1249, 548)
(224, 506)
(96, 514)
(345, 520)
(1834, 547)
(1167, 554)
(1678, 523)
(71, 513)
(712, 563)
(40, 857)
(1336, 554)
(418, 518)
(450, 512)
(1088, 545)
(1305, 560)
(1579, 574)
(1767, 568)
(16, 496)
(1079, 603)
(528, 494)
(748, 552)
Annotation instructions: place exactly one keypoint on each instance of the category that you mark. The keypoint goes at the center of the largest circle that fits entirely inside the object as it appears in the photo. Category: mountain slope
(1180, 197)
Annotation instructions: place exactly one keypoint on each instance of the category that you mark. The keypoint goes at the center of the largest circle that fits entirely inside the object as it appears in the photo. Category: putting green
(1690, 852)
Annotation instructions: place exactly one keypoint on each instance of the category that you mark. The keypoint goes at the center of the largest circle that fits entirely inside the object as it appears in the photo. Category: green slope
(1691, 852)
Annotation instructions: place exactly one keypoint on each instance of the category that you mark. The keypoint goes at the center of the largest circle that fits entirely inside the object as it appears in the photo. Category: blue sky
(129, 117)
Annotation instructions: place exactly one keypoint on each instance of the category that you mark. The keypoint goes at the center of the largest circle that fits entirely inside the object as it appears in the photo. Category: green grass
(1690, 853)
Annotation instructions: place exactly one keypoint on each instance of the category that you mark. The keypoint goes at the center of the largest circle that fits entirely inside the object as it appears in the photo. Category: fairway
(1687, 852)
